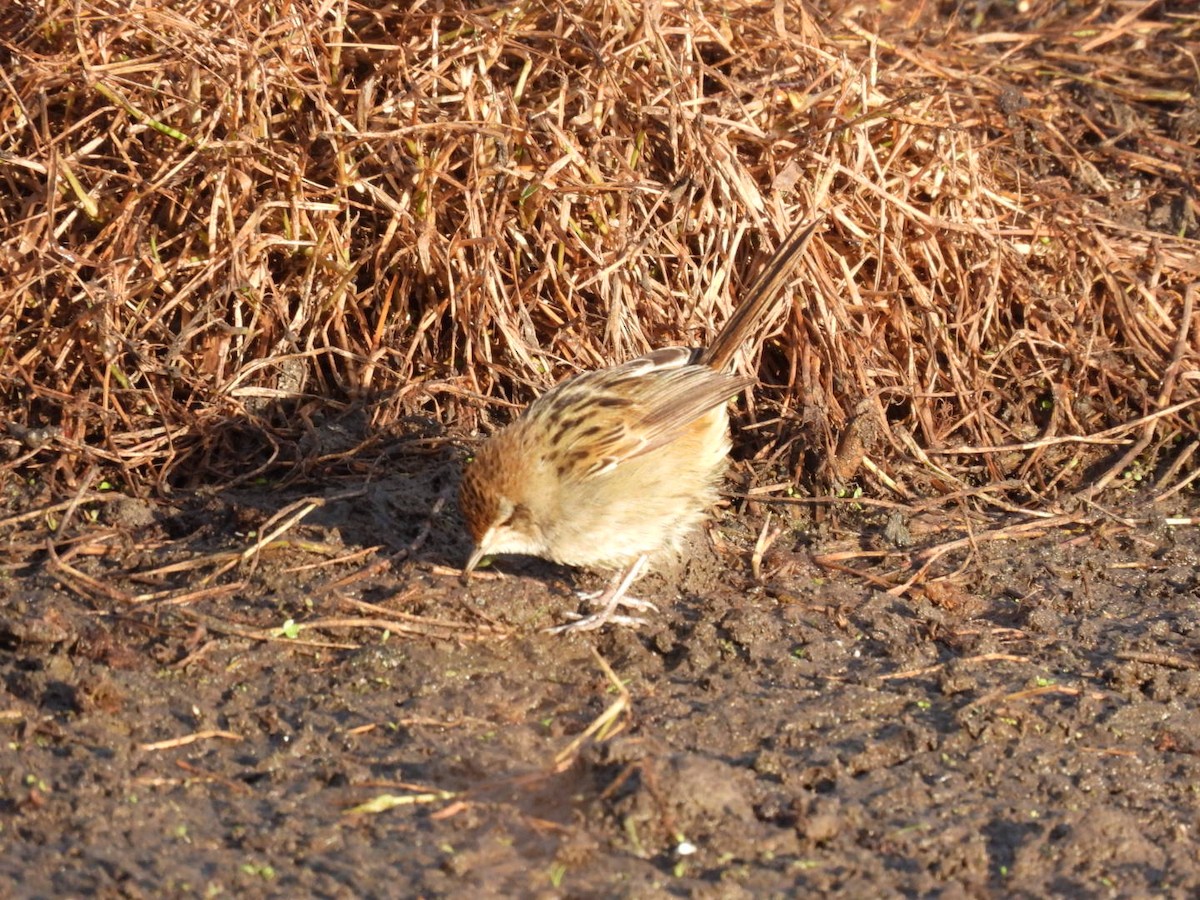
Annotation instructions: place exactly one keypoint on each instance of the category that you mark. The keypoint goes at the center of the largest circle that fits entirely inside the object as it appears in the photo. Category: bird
(612, 468)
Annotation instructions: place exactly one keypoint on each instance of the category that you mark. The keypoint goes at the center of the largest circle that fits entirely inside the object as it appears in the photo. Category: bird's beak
(476, 557)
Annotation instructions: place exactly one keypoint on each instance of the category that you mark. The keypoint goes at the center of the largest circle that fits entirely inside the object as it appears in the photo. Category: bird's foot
(606, 615)
(609, 601)
(597, 598)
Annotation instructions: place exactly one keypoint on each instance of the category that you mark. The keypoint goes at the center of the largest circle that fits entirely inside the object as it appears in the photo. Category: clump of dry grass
(223, 221)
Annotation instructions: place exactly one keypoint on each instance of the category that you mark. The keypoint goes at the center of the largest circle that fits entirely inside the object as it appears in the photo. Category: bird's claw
(606, 615)
(597, 598)
(594, 621)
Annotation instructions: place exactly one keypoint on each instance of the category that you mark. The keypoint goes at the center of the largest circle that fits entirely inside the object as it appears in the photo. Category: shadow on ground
(315, 718)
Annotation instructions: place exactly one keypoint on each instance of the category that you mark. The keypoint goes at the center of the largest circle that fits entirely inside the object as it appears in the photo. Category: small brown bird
(612, 467)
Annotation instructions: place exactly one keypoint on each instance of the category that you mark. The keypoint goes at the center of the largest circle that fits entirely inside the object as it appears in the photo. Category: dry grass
(223, 221)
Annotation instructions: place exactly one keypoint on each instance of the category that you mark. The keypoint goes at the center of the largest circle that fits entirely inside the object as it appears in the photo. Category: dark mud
(1028, 728)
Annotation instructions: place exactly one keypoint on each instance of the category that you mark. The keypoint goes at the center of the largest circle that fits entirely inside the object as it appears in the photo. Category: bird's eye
(513, 515)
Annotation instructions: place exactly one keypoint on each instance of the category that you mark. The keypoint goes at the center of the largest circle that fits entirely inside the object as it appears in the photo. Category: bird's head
(492, 497)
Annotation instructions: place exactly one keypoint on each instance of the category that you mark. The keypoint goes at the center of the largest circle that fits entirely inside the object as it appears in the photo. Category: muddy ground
(175, 723)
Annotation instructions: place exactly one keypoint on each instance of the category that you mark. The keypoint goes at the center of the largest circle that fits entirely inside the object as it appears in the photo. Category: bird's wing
(601, 419)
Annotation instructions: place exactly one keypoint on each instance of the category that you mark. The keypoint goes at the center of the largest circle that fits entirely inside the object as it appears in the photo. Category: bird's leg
(609, 599)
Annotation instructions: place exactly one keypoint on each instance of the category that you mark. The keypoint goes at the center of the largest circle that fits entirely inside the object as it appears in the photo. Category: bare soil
(1026, 729)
